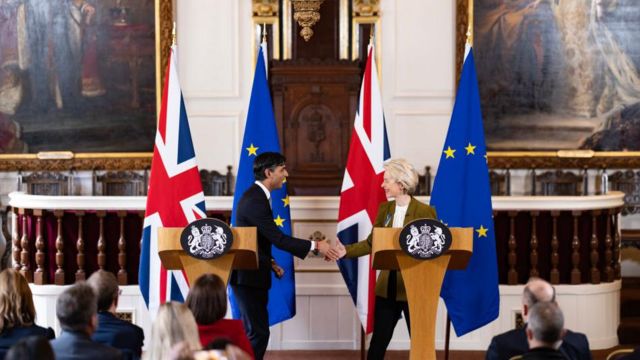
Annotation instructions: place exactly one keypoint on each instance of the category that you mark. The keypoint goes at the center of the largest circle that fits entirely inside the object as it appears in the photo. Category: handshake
(331, 253)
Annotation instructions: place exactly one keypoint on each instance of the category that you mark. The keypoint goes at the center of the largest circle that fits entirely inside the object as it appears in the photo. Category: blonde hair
(403, 173)
(174, 323)
(16, 301)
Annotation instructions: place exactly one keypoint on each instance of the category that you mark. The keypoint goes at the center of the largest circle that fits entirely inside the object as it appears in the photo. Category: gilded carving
(462, 25)
(366, 8)
(164, 26)
(551, 160)
(112, 161)
(307, 14)
(265, 8)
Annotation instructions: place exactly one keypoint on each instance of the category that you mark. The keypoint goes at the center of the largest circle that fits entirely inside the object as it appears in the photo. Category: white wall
(216, 70)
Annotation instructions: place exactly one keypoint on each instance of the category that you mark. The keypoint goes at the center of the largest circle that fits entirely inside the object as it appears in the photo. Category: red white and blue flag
(361, 192)
(175, 196)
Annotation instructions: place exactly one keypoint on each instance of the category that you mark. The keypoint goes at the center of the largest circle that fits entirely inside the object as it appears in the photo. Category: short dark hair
(207, 299)
(266, 160)
(76, 306)
(105, 285)
(31, 347)
(546, 322)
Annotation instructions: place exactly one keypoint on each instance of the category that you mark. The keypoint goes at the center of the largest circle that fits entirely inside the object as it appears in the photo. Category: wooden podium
(242, 255)
(422, 280)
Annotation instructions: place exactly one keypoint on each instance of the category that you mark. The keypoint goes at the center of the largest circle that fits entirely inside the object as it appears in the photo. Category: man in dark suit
(575, 346)
(251, 287)
(76, 312)
(112, 331)
(544, 332)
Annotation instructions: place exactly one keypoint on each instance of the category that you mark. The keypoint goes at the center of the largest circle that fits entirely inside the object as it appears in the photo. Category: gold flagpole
(173, 35)
(470, 27)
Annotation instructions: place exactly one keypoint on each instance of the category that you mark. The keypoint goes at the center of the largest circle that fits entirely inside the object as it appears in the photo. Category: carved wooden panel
(315, 104)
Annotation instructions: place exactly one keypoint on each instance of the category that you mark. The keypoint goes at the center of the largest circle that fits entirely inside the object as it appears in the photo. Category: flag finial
(371, 32)
(173, 34)
(470, 27)
(264, 32)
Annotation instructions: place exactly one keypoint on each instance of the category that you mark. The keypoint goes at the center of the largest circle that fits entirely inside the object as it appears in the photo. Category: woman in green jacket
(400, 181)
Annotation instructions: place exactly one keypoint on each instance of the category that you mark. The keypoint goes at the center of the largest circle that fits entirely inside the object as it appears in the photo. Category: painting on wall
(558, 74)
(78, 75)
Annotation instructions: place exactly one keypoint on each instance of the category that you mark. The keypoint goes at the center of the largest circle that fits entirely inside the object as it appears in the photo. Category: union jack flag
(361, 192)
(175, 196)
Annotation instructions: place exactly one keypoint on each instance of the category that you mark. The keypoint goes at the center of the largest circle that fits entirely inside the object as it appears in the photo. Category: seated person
(575, 346)
(112, 331)
(31, 348)
(207, 300)
(174, 334)
(544, 332)
(76, 310)
(17, 313)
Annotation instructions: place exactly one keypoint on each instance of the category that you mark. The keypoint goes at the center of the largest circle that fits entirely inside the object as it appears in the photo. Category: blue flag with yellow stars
(261, 135)
(461, 195)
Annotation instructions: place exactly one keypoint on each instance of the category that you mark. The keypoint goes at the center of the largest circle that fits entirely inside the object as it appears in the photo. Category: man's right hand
(323, 247)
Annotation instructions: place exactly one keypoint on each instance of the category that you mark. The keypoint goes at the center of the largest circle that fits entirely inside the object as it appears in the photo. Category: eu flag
(261, 135)
(461, 194)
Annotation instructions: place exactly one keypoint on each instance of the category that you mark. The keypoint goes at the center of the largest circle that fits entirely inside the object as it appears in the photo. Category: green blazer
(416, 210)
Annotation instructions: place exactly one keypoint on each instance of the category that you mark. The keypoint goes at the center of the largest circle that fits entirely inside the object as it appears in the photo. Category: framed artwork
(81, 79)
(556, 74)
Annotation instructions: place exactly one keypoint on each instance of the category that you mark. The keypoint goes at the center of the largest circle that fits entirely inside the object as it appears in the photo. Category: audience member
(112, 331)
(17, 313)
(34, 347)
(174, 334)
(544, 332)
(77, 313)
(575, 346)
(208, 302)
(222, 349)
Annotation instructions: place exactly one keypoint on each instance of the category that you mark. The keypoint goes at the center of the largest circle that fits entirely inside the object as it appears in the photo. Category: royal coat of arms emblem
(425, 239)
(206, 238)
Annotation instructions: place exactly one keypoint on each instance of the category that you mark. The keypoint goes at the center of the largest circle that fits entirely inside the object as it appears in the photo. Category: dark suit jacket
(72, 345)
(11, 336)
(575, 346)
(254, 210)
(119, 334)
(542, 353)
(416, 210)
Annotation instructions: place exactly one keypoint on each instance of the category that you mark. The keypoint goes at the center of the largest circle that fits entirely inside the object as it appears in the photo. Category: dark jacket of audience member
(112, 331)
(635, 355)
(31, 348)
(574, 346)
(17, 313)
(543, 354)
(207, 300)
(76, 311)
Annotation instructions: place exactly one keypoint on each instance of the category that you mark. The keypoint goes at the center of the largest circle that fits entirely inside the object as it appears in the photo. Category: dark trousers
(252, 303)
(386, 316)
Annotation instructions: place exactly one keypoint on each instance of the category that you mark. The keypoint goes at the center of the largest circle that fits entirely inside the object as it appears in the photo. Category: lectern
(242, 255)
(422, 280)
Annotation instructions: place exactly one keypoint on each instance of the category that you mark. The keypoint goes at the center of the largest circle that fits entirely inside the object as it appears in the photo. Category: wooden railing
(565, 239)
